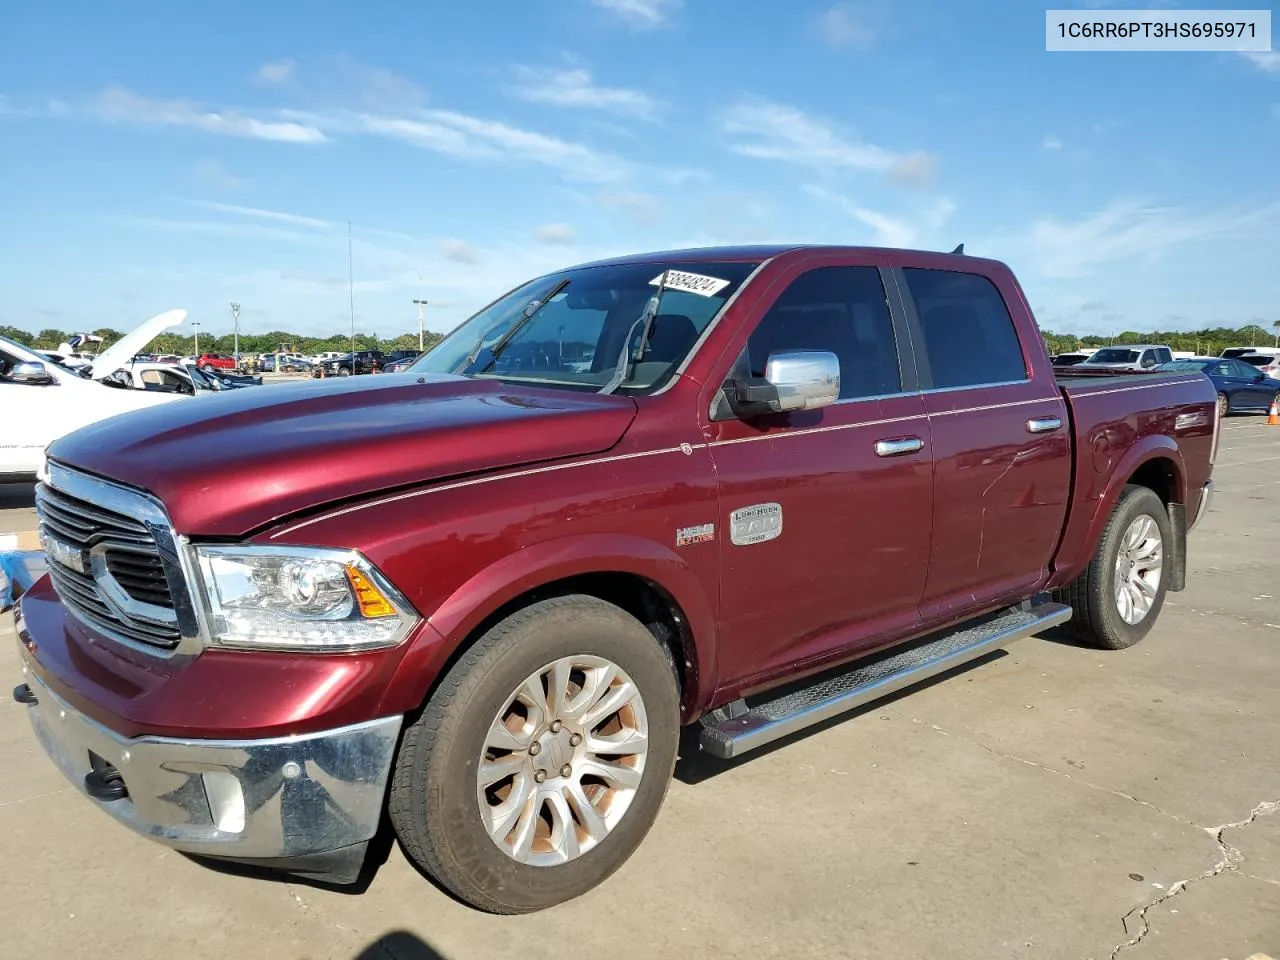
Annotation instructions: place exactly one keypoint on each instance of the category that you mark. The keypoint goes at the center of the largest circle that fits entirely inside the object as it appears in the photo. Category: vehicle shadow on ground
(399, 945)
(15, 495)
(694, 765)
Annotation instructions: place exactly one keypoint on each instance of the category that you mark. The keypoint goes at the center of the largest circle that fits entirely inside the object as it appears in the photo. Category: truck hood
(237, 461)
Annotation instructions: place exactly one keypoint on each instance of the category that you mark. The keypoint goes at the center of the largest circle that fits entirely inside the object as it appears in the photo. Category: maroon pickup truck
(745, 489)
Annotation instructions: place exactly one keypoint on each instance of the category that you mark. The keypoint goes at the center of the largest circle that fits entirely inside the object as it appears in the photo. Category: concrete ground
(1052, 802)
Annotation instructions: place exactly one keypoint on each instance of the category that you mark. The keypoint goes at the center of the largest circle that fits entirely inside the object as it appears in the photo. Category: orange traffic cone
(1273, 415)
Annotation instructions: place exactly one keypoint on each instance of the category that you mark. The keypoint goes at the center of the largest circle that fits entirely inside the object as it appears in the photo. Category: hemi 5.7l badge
(702, 533)
(755, 524)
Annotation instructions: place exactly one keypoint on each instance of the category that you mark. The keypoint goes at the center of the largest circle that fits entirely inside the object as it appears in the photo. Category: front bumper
(285, 799)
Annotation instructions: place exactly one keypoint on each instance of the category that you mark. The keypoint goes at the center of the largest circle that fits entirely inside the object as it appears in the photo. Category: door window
(969, 337)
(837, 309)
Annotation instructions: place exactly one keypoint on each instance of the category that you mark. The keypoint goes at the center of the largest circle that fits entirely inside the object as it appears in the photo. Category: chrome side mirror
(794, 380)
(31, 372)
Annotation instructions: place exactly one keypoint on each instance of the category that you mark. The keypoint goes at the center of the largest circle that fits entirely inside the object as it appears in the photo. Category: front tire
(1117, 599)
(344, 372)
(541, 760)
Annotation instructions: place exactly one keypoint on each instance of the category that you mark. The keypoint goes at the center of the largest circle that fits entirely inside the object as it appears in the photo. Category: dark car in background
(399, 360)
(1241, 388)
(363, 361)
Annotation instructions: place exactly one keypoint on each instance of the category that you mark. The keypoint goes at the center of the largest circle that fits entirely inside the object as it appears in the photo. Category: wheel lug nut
(575, 739)
(540, 776)
(555, 726)
(535, 749)
(566, 770)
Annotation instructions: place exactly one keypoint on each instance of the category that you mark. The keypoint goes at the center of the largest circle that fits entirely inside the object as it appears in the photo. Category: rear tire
(1224, 405)
(1117, 599)
(465, 828)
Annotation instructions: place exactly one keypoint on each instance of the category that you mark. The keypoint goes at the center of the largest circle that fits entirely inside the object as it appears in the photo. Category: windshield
(201, 380)
(575, 339)
(1114, 355)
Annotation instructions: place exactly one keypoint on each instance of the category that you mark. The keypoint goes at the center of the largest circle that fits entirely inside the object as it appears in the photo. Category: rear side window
(837, 309)
(969, 338)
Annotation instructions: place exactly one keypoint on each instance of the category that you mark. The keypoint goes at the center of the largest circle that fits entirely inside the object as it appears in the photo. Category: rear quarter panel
(1118, 427)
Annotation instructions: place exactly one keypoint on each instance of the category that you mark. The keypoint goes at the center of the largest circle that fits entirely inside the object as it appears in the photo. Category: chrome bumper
(1206, 497)
(278, 799)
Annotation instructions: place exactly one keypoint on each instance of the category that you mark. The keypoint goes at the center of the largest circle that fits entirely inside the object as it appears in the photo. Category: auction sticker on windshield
(691, 283)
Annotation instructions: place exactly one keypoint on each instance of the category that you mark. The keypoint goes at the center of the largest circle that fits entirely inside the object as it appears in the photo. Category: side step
(731, 733)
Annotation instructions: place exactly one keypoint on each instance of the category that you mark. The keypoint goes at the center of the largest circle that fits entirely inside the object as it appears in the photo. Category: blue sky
(156, 155)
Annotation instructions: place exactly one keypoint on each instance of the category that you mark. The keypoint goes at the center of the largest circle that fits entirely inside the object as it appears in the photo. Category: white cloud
(457, 251)
(776, 131)
(555, 233)
(890, 230)
(120, 105)
(1050, 142)
(1267, 61)
(849, 24)
(260, 214)
(575, 88)
(640, 208)
(1125, 230)
(211, 173)
(642, 14)
(279, 71)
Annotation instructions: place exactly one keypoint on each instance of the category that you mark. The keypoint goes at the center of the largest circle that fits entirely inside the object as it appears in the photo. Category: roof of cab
(761, 252)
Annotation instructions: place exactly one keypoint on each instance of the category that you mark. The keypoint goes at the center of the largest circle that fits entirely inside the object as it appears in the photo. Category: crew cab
(362, 361)
(744, 489)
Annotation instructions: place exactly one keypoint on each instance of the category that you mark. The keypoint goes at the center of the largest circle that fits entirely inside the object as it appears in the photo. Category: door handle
(1043, 424)
(898, 446)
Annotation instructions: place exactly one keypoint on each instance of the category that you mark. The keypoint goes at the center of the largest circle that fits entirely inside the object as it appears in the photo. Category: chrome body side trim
(284, 797)
(1206, 498)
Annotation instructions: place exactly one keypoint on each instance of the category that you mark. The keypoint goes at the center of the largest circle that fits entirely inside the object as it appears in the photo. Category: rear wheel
(1223, 404)
(540, 762)
(1117, 599)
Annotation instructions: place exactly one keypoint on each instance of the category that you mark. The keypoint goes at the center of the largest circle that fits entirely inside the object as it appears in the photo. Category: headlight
(291, 598)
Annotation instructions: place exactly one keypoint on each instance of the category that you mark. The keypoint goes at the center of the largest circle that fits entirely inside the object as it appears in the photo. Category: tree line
(1207, 341)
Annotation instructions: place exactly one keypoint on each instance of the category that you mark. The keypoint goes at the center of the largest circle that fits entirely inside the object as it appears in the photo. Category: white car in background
(41, 401)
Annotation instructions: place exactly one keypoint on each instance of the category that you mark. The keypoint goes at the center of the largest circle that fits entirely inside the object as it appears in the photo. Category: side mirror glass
(31, 373)
(795, 380)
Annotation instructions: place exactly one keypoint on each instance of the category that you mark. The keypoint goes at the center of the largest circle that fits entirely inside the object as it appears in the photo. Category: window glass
(1239, 369)
(969, 337)
(841, 310)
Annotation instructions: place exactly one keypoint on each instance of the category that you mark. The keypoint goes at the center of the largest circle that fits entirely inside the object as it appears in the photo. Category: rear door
(825, 515)
(1250, 392)
(1001, 442)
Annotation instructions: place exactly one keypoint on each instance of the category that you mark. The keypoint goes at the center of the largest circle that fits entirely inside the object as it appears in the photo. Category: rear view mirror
(798, 380)
(32, 372)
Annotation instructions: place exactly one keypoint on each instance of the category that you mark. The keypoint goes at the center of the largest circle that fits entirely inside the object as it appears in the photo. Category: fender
(542, 563)
(1081, 539)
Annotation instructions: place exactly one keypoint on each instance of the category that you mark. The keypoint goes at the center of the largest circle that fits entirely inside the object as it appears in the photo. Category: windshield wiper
(527, 313)
(628, 358)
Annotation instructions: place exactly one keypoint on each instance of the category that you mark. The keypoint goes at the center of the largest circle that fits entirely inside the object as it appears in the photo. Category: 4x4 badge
(699, 534)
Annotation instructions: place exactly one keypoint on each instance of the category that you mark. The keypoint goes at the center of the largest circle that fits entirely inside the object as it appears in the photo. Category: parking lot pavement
(1051, 802)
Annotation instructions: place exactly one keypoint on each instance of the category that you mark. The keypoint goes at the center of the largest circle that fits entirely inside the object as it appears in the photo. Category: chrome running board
(734, 730)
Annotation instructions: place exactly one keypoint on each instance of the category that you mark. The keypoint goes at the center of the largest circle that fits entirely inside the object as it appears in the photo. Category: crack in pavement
(1066, 776)
(1230, 861)
(42, 796)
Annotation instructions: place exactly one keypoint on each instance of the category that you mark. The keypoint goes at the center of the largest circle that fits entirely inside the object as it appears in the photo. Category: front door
(825, 515)
(1001, 444)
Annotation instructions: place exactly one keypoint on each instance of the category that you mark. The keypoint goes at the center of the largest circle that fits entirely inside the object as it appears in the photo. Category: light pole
(196, 349)
(423, 303)
(235, 321)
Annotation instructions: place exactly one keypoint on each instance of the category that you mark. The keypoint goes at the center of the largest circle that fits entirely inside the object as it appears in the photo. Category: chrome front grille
(113, 560)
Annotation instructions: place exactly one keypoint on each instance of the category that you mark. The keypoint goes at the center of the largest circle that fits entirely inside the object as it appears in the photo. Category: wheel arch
(644, 578)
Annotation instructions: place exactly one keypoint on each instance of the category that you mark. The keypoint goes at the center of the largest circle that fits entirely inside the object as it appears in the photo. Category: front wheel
(542, 758)
(344, 372)
(1223, 404)
(1116, 600)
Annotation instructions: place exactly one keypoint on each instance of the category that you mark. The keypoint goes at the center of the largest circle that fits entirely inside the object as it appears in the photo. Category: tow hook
(24, 694)
(104, 781)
